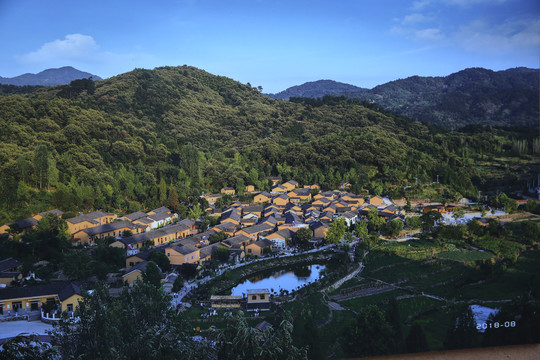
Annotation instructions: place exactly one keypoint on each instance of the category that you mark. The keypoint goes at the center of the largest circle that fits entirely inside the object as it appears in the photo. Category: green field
(465, 255)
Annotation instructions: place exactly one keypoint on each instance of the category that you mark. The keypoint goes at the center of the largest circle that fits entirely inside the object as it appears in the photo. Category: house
(160, 219)
(225, 301)
(155, 237)
(254, 209)
(114, 229)
(160, 210)
(376, 201)
(303, 194)
(254, 232)
(23, 300)
(240, 240)
(228, 191)
(135, 273)
(86, 221)
(281, 238)
(321, 201)
(185, 254)
(9, 271)
(350, 217)
(227, 227)
(290, 185)
(231, 215)
(139, 257)
(258, 299)
(212, 198)
(262, 197)
(280, 200)
(41, 215)
(206, 252)
(273, 179)
(249, 189)
(256, 248)
(344, 185)
(319, 229)
(279, 189)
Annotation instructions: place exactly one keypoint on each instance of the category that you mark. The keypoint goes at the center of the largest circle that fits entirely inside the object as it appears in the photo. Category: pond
(284, 279)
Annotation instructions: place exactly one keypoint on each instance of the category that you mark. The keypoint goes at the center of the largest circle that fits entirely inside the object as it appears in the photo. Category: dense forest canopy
(127, 142)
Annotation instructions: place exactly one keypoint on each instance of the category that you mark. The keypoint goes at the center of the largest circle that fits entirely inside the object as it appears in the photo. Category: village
(266, 227)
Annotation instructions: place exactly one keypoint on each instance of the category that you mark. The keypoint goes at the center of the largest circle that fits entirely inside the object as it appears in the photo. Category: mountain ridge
(470, 96)
(49, 77)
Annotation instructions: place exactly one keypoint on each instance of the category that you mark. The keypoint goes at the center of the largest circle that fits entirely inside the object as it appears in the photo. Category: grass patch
(405, 271)
(313, 303)
(377, 299)
(411, 307)
(464, 255)
(436, 324)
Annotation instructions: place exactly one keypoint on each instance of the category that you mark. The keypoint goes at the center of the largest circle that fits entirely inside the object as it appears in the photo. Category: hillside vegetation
(128, 142)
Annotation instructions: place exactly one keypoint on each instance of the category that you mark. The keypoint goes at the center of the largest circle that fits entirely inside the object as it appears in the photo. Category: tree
(416, 341)
(27, 347)
(139, 324)
(369, 335)
(162, 191)
(221, 254)
(336, 231)
(240, 341)
(376, 222)
(302, 236)
(41, 165)
(463, 333)
(530, 231)
(392, 228)
(195, 212)
(429, 219)
(178, 284)
(161, 260)
(413, 222)
(76, 264)
(458, 213)
(152, 274)
(361, 229)
(173, 198)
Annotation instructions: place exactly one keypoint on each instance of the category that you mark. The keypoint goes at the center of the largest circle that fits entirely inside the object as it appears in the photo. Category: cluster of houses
(267, 223)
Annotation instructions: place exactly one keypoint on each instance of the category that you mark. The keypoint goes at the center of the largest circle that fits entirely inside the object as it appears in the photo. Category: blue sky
(272, 43)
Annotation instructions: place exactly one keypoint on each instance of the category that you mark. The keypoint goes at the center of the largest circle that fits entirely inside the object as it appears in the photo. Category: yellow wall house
(135, 273)
(262, 197)
(258, 299)
(86, 221)
(185, 254)
(23, 300)
(256, 248)
(10, 271)
(114, 229)
(228, 191)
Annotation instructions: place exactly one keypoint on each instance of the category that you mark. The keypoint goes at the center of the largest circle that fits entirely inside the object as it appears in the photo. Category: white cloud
(74, 47)
(416, 18)
(509, 36)
(428, 34)
(420, 4)
(83, 52)
(468, 3)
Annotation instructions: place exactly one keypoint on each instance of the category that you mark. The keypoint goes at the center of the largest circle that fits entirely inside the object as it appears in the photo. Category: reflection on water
(285, 279)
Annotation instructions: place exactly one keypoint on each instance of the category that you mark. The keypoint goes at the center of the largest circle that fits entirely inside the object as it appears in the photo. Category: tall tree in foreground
(463, 333)
(240, 341)
(137, 325)
(370, 334)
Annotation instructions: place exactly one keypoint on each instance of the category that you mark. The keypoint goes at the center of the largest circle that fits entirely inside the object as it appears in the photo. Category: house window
(131, 264)
(187, 258)
(69, 307)
(249, 251)
(253, 297)
(191, 257)
(169, 254)
(262, 296)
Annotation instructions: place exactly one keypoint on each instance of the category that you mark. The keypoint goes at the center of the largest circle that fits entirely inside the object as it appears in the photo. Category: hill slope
(49, 77)
(125, 142)
(317, 89)
(471, 96)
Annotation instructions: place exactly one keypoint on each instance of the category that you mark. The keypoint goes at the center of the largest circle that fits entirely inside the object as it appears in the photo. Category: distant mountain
(317, 89)
(470, 96)
(49, 77)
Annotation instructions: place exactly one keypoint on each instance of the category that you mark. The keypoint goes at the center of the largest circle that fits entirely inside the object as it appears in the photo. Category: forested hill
(471, 96)
(128, 142)
(317, 89)
(49, 77)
